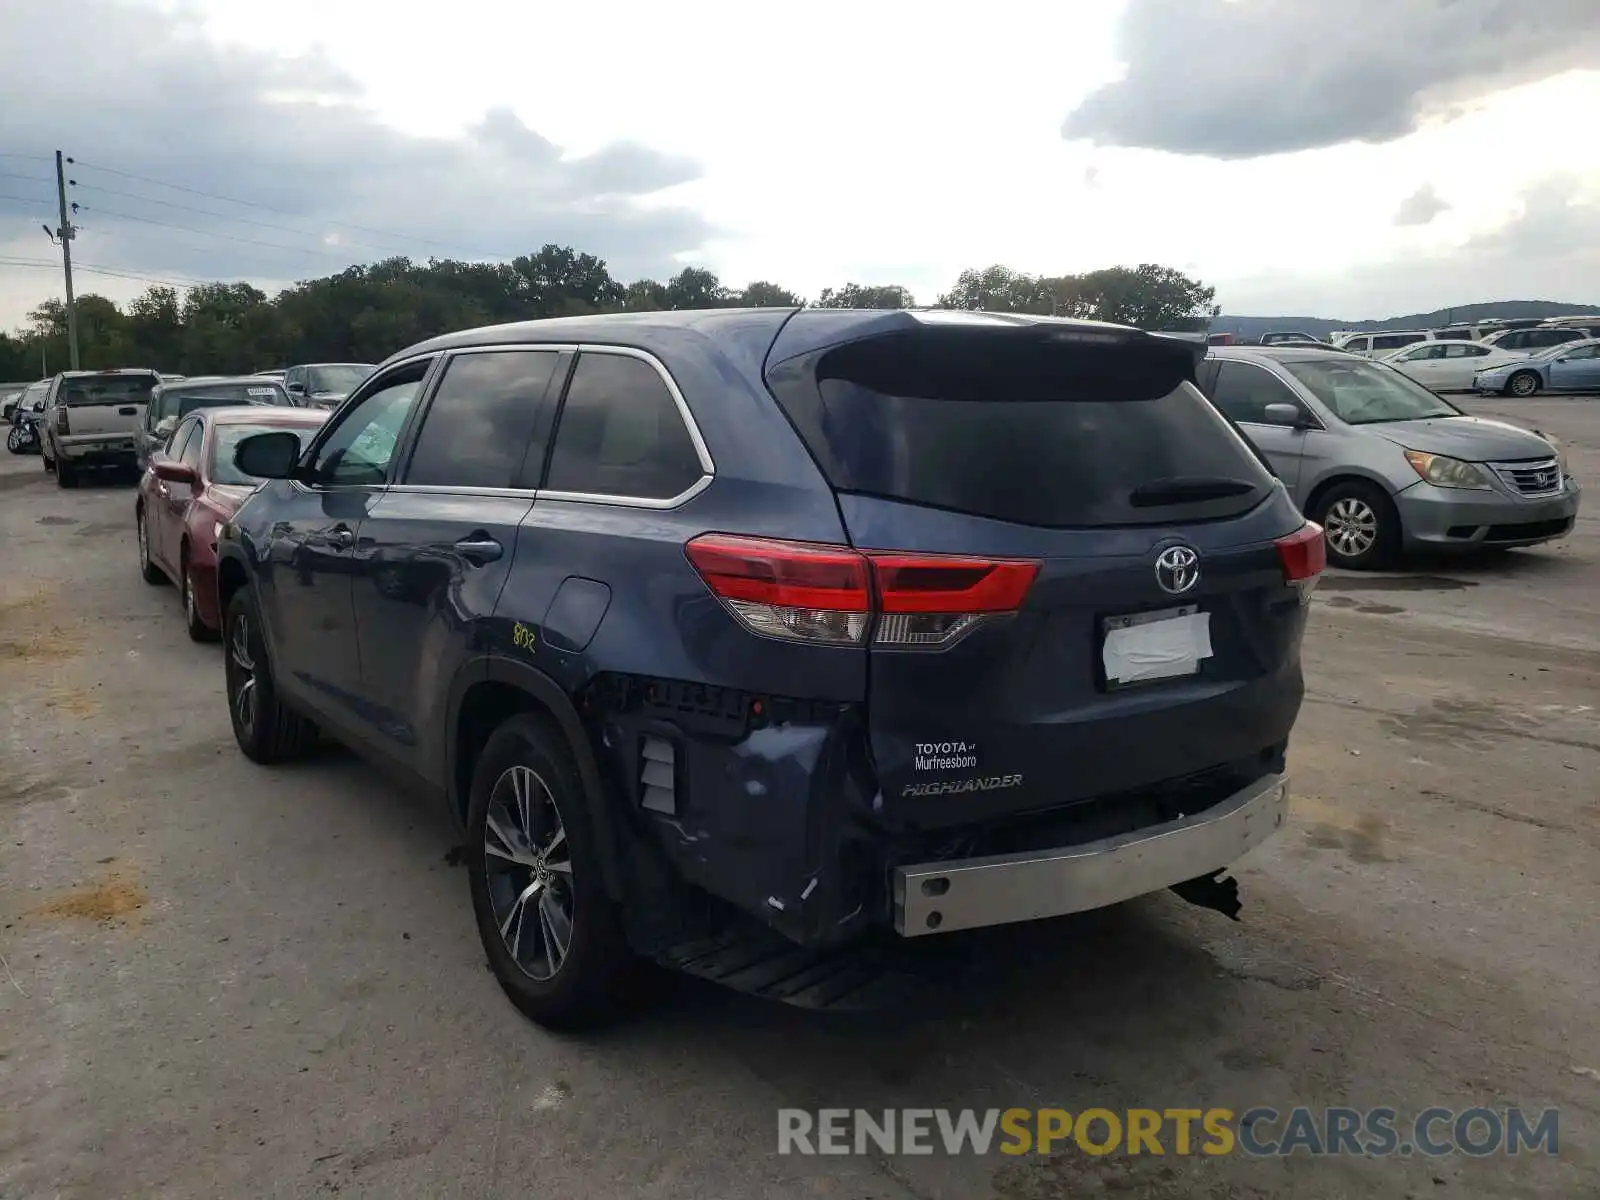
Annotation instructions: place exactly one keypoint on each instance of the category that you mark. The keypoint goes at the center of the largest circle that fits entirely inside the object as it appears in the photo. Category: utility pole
(65, 235)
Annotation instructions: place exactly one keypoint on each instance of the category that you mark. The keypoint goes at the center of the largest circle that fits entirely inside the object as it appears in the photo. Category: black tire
(591, 981)
(1343, 512)
(270, 732)
(49, 463)
(1523, 384)
(148, 571)
(14, 440)
(199, 631)
(66, 474)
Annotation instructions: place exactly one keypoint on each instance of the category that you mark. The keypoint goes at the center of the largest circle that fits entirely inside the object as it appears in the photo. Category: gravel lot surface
(226, 980)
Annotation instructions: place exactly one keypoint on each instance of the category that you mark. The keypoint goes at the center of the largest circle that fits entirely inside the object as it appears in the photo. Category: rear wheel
(1360, 523)
(148, 571)
(266, 729)
(550, 931)
(49, 463)
(66, 474)
(14, 440)
(1523, 383)
(198, 630)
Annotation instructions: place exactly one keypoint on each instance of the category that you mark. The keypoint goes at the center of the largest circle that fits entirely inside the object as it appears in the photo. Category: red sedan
(190, 488)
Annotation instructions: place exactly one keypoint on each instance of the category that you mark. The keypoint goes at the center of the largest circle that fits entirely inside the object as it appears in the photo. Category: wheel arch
(486, 691)
(1345, 475)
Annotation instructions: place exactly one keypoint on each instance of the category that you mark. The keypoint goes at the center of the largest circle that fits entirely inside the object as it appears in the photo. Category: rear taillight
(61, 420)
(823, 593)
(1304, 555)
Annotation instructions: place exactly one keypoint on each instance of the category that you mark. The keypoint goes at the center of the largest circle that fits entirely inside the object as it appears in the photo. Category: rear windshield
(225, 439)
(107, 389)
(1023, 430)
(181, 402)
(338, 377)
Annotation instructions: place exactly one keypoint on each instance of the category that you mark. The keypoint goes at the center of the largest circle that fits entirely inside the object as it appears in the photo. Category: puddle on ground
(1352, 604)
(1393, 583)
(58, 520)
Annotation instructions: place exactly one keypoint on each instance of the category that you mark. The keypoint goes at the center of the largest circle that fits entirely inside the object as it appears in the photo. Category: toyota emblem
(1177, 570)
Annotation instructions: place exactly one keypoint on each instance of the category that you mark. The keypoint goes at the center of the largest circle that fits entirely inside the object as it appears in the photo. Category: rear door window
(1028, 431)
(481, 423)
(1393, 341)
(107, 389)
(621, 434)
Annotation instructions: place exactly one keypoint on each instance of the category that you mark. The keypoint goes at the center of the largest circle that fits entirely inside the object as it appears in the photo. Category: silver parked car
(1384, 464)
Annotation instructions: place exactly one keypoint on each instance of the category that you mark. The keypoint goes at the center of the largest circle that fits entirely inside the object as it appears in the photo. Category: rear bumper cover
(941, 897)
(117, 447)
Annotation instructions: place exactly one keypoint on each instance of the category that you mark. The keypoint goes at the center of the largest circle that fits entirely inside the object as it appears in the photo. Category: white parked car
(1376, 345)
(1448, 366)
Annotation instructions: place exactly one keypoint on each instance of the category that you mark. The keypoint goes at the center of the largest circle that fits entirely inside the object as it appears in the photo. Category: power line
(94, 187)
(93, 269)
(44, 158)
(24, 178)
(178, 187)
(122, 216)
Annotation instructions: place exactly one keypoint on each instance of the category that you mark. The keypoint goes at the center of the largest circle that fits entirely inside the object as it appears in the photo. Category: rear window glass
(181, 402)
(225, 441)
(1023, 430)
(107, 389)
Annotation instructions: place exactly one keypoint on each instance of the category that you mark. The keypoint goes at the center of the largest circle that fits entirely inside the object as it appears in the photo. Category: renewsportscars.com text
(1257, 1132)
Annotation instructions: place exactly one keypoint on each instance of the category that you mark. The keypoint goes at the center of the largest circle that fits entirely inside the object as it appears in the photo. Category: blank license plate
(1145, 647)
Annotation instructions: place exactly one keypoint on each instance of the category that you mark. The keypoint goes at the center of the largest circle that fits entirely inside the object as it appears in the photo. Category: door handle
(342, 537)
(479, 549)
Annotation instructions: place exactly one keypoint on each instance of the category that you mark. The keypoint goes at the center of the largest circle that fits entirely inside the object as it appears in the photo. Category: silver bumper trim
(941, 897)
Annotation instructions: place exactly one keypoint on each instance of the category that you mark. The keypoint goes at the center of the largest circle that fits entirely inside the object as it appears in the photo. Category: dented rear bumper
(938, 897)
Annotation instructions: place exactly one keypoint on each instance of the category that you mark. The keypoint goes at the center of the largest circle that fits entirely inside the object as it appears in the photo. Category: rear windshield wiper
(1182, 490)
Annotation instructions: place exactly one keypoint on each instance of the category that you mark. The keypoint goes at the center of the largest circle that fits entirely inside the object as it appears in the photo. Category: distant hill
(1250, 328)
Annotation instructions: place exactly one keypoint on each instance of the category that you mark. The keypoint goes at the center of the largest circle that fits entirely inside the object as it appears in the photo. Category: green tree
(695, 287)
(860, 295)
(762, 294)
(1150, 297)
(998, 289)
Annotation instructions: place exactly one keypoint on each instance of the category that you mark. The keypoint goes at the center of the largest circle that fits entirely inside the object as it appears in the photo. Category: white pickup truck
(91, 419)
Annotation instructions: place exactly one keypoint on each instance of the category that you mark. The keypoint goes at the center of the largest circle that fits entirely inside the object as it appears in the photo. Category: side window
(1359, 345)
(359, 449)
(191, 448)
(621, 434)
(1585, 352)
(178, 443)
(1244, 390)
(482, 419)
(1206, 376)
(1468, 350)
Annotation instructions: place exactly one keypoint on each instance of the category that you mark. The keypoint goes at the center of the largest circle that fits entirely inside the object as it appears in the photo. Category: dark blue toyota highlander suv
(806, 631)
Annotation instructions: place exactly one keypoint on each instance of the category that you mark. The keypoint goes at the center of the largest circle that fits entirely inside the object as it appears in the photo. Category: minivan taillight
(1304, 555)
(809, 591)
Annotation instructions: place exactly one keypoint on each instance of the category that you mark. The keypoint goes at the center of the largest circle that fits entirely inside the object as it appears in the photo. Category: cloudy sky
(1359, 159)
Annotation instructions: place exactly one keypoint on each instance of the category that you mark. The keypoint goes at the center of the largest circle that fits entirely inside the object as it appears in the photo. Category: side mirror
(173, 471)
(1282, 414)
(268, 455)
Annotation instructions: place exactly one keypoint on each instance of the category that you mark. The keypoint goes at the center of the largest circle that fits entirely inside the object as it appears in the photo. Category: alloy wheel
(189, 611)
(1524, 384)
(529, 869)
(244, 693)
(1351, 526)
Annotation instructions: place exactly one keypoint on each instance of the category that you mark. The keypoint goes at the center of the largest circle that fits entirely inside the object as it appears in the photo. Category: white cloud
(894, 142)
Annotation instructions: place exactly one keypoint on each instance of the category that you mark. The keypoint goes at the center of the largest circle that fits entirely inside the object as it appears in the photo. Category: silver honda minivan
(1382, 463)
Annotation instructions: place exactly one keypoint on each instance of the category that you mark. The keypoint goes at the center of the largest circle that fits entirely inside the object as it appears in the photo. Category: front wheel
(14, 441)
(1360, 523)
(550, 931)
(266, 729)
(1523, 383)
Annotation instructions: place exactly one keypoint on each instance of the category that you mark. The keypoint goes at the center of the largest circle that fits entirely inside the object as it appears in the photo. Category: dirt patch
(58, 520)
(112, 898)
(50, 645)
(75, 701)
